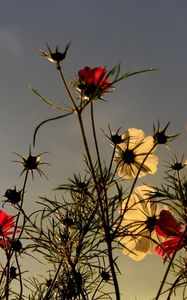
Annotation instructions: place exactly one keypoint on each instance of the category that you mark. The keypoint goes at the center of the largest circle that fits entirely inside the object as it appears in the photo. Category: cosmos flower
(7, 224)
(169, 228)
(138, 234)
(134, 155)
(92, 83)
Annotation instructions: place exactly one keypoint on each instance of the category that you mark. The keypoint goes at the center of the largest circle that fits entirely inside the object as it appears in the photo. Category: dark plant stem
(168, 268)
(112, 268)
(46, 297)
(20, 277)
(95, 141)
(174, 285)
(105, 215)
(183, 198)
(7, 271)
(67, 88)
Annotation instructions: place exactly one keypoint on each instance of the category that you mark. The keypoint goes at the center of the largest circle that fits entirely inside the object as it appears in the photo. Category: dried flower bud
(13, 196)
(13, 273)
(160, 136)
(32, 162)
(68, 221)
(105, 275)
(55, 57)
(16, 245)
(116, 139)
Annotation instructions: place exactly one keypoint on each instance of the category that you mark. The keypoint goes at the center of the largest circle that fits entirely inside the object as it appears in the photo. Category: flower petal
(167, 226)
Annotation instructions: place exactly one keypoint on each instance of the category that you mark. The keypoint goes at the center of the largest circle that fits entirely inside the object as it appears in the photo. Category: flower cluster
(148, 227)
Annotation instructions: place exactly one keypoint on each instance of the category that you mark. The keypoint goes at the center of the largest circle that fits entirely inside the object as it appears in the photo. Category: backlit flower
(7, 224)
(92, 83)
(174, 243)
(134, 155)
(169, 228)
(138, 223)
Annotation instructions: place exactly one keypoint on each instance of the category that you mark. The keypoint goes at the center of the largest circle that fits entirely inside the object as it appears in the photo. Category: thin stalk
(111, 261)
(173, 286)
(111, 161)
(46, 297)
(168, 268)
(67, 88)
(95, 140)
(105, 214)
(7, 278)
(20, 277)
(183, 200)
(21, 205)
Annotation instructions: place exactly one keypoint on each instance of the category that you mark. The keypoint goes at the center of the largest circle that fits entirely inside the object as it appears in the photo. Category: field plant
(100, 211)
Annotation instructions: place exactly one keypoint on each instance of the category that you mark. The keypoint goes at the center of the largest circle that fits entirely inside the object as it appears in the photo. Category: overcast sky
(139, 34)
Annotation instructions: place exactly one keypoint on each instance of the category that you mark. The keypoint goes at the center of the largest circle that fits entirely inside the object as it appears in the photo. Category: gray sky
(139, 34)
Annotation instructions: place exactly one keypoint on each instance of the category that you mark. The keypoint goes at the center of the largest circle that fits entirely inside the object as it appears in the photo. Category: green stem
(95, 141)
(67, 88)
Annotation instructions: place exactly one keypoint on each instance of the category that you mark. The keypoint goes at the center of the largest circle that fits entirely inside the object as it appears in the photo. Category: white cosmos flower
(133, 154)
(137, 226)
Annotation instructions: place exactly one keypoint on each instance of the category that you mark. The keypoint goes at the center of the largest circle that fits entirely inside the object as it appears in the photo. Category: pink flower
(166, 226)
(93, 83)
(6, 228)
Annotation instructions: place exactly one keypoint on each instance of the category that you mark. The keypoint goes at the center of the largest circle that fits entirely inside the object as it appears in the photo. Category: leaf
(50, 103)
(128, 74)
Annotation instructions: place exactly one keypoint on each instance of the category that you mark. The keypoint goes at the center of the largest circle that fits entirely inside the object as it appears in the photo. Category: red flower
(166, 226)
(170, 246)
(6, 223)
(93, 83)
(6, 228)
